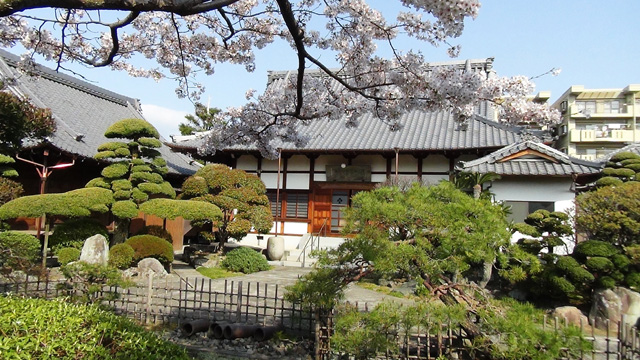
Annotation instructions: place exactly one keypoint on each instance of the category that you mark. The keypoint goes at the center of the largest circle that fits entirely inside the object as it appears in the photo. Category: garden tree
(610, 214)
(75, 203)
(135, 173)
(435, 235)
(549, 229)
(9, 189)
(205, 119)
(186, 38)
(622, 167)
(473, 182)
(21, 121)
(241, 197)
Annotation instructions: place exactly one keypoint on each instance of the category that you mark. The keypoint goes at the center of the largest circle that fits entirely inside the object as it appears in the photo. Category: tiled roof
(530, 164)
(420, 131)
(82, 111)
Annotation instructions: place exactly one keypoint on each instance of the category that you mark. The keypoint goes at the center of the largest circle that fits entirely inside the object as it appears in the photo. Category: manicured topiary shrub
(18, 249)
(146, 246)
(73, 233)
(633, 280)
(594, 248)
(57, 329)
(67, 255)
(599, 264)
(156, 230)
(621, 173)
(245, 260)
(625, 155)
(608, 181)
(121, 256)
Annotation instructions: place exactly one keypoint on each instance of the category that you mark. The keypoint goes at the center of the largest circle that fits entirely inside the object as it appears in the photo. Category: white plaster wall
(247, 163)
(298, 163)
(406, 163)
(270, 165)
(298, 181)
(298, 228)
(434, 179)
(533, 189)
(324, 160)
(435, 163)
(271, 180)
(377, 162)
(319, 177)
(378, 178)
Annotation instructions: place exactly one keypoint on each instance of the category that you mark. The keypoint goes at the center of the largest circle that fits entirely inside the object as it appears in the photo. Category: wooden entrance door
(321, 211)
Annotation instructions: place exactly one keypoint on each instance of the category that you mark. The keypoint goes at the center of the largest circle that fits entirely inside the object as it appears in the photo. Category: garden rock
(407, 287)
(612, 305)
(151, 265)
(630, 302)
(606, 306)
(570, 314)
(95, 250)
(130, 272)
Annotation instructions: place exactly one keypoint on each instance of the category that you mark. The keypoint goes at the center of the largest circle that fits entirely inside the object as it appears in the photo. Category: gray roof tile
(564, 165)
(82, 111)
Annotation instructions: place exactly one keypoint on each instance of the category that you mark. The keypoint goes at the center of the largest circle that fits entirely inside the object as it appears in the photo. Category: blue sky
(595, 43)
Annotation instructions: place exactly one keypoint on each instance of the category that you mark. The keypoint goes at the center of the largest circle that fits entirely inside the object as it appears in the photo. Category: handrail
(311, 241)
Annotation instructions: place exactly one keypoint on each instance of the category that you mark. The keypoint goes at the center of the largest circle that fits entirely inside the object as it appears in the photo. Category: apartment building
(596, 122)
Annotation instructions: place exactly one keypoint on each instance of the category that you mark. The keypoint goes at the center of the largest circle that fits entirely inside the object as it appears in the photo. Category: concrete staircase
(301, 258)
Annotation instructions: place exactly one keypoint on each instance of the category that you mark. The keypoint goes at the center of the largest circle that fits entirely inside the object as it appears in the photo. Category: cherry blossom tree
(187, 38)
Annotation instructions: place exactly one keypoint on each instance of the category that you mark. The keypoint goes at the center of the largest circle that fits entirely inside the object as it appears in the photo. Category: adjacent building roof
(82, 111)
(530, 157)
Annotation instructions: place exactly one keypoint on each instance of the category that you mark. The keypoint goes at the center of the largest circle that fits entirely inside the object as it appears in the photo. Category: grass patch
(381, 289)
(217, 272)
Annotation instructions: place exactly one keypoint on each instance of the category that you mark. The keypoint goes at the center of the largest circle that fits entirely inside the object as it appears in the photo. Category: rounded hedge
(608, 181)
(73, 232)
(16, 248)
(121, 256)
(245, 260)
(621, 173)
(156, 230)
(131, 129)
(594, 248)
(633, 280)
(625, 155)
(58, 329)
(67, 255)
(599, 264)
(145, 246)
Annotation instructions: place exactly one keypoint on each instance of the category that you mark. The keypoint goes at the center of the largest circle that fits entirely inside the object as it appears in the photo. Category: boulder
(95, 250)
(606, 308)
(151, 265)
(570, 314)
(630, 302)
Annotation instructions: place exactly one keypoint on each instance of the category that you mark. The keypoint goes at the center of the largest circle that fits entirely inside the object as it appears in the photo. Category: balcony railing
(603, 135)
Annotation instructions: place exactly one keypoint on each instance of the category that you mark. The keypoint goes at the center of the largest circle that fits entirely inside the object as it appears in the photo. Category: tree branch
(179, 7)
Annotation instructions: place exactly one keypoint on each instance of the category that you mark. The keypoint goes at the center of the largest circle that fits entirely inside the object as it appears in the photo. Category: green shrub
(599, 264)
(621, 262)
(245, 260)
(146, 246)
(634, 167)
(594, 248)
(605, 282)
(156, 230)
(121, 256)
(621, 173)
(18, 249)
(56, 329)
(608, 181)
(73, 233)
(633, 280)
(131, 129)
(9, 190)
(625, 155)
(67, 255)
(84, 281)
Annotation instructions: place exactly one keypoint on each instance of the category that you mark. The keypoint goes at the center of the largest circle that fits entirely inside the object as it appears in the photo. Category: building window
(612, 107)
(586, 107)
(271, 194)
(520, 209)
(297, 205)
